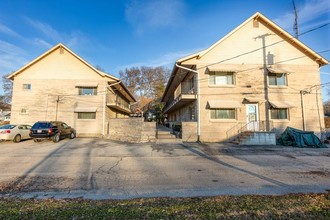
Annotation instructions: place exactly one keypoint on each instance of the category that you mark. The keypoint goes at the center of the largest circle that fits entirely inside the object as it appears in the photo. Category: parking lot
(100, 169)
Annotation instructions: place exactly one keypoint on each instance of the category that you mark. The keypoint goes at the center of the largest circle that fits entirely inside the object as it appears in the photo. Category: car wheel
(72, 135)
(17, 138)
(56, 138)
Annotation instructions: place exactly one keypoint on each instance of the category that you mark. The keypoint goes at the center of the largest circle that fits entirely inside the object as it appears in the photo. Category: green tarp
(297, 138)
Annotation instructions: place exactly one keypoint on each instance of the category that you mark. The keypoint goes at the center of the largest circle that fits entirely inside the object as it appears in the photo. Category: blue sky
(117, 34)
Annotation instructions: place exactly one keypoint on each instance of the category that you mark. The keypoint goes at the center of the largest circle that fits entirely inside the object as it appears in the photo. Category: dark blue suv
(54, 130)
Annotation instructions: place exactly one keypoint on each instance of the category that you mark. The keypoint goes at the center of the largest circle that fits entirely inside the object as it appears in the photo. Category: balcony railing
(184, 88)
(183, 94)
(118, 103)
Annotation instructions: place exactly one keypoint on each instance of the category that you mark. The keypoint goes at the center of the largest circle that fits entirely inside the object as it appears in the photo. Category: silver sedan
(14, 133)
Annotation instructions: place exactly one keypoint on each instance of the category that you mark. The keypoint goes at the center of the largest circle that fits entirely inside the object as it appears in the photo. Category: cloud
(6, 30)
(11, 57)
(43, 43)
(311, 10)
(52, 36)
(44, 28)
(154, 13)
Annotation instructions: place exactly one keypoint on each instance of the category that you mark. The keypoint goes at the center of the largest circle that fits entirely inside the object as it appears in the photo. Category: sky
(119, 34)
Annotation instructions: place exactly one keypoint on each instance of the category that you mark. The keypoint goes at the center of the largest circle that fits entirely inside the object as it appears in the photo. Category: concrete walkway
(165, 136)
(103, 169)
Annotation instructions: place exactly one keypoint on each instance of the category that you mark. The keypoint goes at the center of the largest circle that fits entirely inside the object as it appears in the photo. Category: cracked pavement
(104, 169)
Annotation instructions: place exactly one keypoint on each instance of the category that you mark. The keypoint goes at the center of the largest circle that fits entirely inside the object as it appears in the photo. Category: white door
(252, 117)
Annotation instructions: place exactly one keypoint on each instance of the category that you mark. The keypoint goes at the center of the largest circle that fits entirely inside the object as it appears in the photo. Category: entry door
(252, 117)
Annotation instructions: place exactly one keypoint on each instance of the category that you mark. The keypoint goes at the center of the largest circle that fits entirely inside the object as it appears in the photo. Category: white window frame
(217, 78)
(81, 91)
(275, 75)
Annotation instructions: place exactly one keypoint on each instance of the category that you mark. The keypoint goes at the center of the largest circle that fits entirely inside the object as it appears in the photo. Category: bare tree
(146, 83)
(7, 86)
(131, 78)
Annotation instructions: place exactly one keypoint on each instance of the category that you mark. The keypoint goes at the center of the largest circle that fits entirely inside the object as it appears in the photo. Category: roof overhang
(87, 84)
(223, 69)
(85, 109)
(274, 27)
(282, 104)
(278, 70)
(213, 104)
(60, 46)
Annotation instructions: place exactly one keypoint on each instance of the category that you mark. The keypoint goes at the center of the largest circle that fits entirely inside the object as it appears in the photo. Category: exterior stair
(164, 135)
(242, 136)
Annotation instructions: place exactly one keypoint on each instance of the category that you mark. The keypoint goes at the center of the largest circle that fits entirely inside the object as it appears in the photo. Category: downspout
(104, 104)
(302, 93)
(198, 100)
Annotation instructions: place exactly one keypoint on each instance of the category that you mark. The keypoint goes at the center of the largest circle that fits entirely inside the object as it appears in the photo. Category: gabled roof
(278, 30)
(60, 45)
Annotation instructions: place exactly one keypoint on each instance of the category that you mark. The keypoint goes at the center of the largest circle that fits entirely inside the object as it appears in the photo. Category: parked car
(14, 133)
(54, 130)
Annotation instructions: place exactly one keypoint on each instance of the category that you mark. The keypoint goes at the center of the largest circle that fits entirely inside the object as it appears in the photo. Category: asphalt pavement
(102, 169)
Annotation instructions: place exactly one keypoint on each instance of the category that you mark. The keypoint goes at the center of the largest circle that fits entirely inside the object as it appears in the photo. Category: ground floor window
(86, 115)
(223, 113)
(192, 113)
(279, 113)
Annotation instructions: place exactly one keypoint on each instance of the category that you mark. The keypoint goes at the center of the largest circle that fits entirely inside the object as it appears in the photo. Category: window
(87, 90)
(23, 111)
(279, 113)
(221, 78)
(86, 115)
(26, 87)
(192, 113)
(191, 83)
(277, 79)
(229, 113)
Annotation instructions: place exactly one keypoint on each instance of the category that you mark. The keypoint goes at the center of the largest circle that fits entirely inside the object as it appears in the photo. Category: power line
(261, 48)
(255, 50)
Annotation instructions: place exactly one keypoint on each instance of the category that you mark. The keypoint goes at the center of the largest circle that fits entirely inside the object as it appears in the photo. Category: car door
(27, 131)
(66, 129)
(23, 131)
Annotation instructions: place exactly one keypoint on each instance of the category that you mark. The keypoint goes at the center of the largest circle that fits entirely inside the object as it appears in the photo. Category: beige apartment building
(258, 77)
(60, 85)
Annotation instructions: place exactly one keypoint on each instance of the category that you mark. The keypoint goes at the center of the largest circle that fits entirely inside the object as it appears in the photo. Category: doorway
(252, 117)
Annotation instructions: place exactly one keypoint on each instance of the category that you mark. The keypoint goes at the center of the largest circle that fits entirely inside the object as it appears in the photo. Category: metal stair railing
(251, 126)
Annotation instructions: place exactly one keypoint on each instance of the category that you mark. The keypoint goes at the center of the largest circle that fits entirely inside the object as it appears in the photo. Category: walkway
(165, 135)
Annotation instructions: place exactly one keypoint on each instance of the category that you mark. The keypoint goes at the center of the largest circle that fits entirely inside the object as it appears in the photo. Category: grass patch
(292, 206)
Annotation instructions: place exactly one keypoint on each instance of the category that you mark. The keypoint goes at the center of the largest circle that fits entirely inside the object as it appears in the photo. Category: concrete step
(168, 141)
(166, 136)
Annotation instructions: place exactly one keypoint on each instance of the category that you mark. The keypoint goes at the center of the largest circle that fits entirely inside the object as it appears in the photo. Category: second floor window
(221, 78)
(191, 83)
(277, 79)
(87, 90)
(26, 87)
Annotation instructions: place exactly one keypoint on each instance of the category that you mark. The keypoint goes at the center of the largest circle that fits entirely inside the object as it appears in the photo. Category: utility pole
(57, 101)
(265, 70)
(295, 25)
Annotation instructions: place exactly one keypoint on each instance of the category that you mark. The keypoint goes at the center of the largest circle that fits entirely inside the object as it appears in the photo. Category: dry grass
(292, 206)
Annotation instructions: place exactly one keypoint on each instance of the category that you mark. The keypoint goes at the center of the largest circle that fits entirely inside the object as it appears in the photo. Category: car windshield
(7, 127)
(41, 125)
